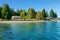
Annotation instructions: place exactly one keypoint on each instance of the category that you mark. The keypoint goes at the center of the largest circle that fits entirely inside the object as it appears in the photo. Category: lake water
(30, 31)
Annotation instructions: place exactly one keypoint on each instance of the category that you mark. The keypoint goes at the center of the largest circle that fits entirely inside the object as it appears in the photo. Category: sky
(38, 5)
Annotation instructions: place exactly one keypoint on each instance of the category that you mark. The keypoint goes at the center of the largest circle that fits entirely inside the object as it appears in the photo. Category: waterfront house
(16, 18)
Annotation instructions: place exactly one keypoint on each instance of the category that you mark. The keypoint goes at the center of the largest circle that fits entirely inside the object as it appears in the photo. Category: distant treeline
(6, 13)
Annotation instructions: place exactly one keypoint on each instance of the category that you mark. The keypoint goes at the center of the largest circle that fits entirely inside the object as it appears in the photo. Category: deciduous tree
(6, 12)
(23, 13)
(38, 15)
(31, 13)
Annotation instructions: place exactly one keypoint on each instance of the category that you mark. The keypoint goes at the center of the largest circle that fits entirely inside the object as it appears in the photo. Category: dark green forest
(6, 13)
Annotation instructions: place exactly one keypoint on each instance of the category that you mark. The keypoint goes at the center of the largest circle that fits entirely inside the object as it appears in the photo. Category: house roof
(16, 17)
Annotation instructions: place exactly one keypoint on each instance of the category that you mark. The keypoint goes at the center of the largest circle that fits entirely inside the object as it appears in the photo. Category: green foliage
(13, 12)
(55, 15)
(44, 14)
(0, 12)
(52, 14)
(26, 17)
(18, 12)
(38, 15)
(9, 14)
(23, 14)
(31, 13)
(6, 12)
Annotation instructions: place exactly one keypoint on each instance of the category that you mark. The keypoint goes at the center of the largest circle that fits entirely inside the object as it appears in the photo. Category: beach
(26, 21)
(21, 21)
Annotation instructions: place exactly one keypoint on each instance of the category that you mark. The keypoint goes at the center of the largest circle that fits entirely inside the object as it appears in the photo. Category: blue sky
(38, 5)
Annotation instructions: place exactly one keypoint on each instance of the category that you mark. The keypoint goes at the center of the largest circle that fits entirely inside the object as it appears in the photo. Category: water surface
(30, 31)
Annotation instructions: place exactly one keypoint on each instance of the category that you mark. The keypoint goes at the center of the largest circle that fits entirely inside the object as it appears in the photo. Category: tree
(0, 12)
(18, 12)
(6, 12)
(53, 14)
(13, 12)
(38, 15)
(44, 14)
(23, 13)
(9, 14)
(31, 13)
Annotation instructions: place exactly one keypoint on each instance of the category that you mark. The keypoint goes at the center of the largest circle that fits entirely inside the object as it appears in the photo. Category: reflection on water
(30, 31)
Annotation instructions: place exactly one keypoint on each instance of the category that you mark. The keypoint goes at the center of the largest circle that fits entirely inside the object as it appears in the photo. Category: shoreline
(25, 21)
(21, 21)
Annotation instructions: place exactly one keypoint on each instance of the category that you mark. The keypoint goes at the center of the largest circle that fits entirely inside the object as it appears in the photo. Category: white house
(16, 18)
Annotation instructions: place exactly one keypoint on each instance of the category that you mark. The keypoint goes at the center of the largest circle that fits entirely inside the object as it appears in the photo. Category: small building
(16, 18)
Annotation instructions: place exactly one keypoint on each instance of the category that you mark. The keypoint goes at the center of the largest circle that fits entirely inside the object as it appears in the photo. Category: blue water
(30, 31)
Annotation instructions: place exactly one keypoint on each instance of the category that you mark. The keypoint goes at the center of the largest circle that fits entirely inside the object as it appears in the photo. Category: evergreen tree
(53, 14)
(0, 12)
(44, 14)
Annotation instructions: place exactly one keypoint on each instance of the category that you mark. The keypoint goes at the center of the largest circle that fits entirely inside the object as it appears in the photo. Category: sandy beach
(26, 21)
(20, 21)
